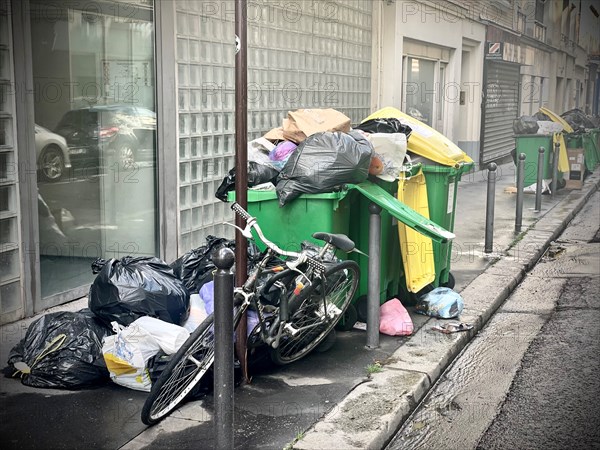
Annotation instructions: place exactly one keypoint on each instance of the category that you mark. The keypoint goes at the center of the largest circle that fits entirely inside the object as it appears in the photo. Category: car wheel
(126, 154)
(52, 164)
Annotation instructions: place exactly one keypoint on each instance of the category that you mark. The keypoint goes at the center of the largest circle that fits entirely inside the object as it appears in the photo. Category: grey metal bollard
(520, 187)
(489, 210)
(224, 377)
(540, 176)
(374, 281)
(554, 184)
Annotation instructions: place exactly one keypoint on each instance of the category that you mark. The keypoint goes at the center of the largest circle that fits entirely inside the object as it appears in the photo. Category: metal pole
(554, 184)
(241, 162)
(489, 212)
(223, 383)
(374, 281)
(520, 187)
(540, 176)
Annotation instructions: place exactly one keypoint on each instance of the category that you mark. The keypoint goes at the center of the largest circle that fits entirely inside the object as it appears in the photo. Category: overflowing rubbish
(280, 154)
(442, 302)
(452, 327)
(61, 350)
(579, 120)
(126, 354)
(303, 123)
(389, 152)
(197, 313)
(195, 267)
(526, 125)
(257, 174)
(131, 287)
(394, 319)
(324, 161)
(384, 125)
(170, 337)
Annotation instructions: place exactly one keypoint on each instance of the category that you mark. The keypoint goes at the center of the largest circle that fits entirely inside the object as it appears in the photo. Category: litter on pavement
(452, 327)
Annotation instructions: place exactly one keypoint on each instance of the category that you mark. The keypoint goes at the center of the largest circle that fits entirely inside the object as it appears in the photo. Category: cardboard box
(576, 168)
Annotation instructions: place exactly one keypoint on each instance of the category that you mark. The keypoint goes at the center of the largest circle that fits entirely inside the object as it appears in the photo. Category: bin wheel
(348, 320)
(361, 307)
(562, 183)
(413, 297)
(451, 281)
(327, 342)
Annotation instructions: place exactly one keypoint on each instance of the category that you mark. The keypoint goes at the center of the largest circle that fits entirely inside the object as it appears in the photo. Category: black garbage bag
(61, 350)
(196, 267)
(131, 287)
(578, 119)
(323, 162)
(257, 174)
(525, 125)
(384, 126)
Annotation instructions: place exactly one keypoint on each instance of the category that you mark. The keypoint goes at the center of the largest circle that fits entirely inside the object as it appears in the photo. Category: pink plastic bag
(394, 319)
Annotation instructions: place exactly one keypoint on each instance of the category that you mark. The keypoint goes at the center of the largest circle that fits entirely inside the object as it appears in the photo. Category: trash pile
(539, 123)
(573, 132)
(316, 151)
(140, 311)
(580, 121)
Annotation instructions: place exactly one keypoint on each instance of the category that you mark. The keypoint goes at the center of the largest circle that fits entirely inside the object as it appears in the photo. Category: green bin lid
(403, 213)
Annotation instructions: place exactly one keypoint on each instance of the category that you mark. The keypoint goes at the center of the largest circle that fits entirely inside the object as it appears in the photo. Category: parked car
(94, 133)
(52, 154)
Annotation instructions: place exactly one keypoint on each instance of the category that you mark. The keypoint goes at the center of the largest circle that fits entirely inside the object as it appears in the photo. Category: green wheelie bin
(442, 188)
(586, 142)
(529, 144)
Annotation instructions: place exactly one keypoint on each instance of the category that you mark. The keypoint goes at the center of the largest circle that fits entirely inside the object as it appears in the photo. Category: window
(539, 10)
(93, 72)
(424, 90)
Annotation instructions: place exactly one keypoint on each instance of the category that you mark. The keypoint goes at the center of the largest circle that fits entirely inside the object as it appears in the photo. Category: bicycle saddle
(340, 241)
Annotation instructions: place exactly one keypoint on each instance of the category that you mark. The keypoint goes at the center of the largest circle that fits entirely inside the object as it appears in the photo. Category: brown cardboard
(305, 122)
(576, 168)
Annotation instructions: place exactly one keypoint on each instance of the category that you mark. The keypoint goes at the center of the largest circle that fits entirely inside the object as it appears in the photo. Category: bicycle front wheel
(313, 320)
(182, 374)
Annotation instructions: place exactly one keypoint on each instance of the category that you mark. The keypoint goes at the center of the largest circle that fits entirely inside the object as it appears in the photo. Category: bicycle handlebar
(252, 224)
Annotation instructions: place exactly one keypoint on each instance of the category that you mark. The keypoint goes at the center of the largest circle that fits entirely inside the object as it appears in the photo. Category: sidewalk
(327, 400)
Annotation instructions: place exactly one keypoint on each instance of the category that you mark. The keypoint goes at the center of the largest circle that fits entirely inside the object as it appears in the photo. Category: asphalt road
(530, 379)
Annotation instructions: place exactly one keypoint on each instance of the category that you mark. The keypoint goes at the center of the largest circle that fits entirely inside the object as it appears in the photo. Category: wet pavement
(304, 399)
(525, 380)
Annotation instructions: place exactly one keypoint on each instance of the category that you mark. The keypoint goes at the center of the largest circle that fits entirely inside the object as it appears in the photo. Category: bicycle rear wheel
(308, 314)
(182, 374)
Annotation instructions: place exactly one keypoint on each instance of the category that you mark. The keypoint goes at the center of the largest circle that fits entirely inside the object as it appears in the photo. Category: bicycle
(313, 293)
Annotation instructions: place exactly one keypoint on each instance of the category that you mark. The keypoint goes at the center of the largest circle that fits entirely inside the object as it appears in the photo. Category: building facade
(117, 116)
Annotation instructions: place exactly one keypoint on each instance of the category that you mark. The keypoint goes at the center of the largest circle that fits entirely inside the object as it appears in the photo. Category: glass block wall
(301, 54)
(11, 305)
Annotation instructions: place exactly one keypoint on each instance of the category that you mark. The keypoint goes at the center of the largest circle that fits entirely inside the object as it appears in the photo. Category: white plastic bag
(126, 354)
(389, 151)
(197, 313)
(170, 337)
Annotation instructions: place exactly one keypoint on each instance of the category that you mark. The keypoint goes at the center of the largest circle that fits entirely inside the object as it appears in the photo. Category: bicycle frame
(246, 295)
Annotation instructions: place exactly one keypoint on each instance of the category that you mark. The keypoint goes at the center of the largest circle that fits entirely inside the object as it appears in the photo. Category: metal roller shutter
(501, 108)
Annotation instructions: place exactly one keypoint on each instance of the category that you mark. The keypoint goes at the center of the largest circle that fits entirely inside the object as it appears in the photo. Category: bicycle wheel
(308, 312)
(184, 371)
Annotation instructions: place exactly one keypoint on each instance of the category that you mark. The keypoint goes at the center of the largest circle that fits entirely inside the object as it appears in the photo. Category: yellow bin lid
(425, 141)
(556, 118)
